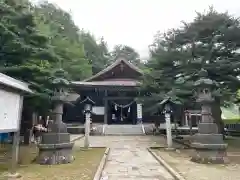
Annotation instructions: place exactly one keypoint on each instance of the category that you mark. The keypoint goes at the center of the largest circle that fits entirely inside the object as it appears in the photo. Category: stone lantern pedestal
(56, 147)
(208, 143)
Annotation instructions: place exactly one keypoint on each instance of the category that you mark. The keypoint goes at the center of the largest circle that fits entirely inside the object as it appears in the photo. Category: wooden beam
(117, 98)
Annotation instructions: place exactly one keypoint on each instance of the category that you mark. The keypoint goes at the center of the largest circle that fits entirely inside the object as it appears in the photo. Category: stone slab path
(120, 141)
(129, 158)
(128, 163)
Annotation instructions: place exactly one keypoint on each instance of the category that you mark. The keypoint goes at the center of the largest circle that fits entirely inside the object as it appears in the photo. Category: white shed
(11, 100)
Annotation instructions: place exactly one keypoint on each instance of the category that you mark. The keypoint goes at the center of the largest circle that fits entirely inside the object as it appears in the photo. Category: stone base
(209, 148)
(210, 157)
(55, 138)
(55, 148)
(50, 154)
(13, 176)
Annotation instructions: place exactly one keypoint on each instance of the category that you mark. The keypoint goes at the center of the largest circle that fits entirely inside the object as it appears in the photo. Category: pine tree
(210, 42)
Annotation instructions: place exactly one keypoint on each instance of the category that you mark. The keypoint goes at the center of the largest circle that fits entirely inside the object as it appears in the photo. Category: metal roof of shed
(14, 83)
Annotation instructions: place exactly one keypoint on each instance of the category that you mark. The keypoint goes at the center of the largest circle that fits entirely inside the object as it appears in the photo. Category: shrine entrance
(122, 112)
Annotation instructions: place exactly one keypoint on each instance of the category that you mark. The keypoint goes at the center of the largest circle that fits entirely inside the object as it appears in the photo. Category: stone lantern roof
(59, 78)
(204, 80)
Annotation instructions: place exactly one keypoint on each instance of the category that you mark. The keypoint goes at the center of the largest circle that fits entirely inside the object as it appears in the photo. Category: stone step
(123, 130)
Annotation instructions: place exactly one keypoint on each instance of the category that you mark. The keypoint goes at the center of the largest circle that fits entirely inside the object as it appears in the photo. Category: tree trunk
(27, 122)
(217, 116)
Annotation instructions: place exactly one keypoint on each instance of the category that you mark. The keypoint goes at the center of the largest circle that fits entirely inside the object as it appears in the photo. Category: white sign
(139, 111)
(9, 111)
(98, 110)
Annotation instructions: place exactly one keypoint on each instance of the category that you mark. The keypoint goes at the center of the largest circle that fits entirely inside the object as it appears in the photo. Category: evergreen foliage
(210, 42)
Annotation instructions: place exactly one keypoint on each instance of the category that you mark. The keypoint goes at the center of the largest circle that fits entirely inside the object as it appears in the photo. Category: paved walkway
(120, 141)
(129, 159)
(129, 163)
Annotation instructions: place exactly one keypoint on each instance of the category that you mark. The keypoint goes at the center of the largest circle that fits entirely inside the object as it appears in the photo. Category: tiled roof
(118, 61)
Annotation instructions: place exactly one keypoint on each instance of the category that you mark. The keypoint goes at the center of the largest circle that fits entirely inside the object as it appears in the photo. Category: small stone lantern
(56, 147)
(167, 110)
(208, 143)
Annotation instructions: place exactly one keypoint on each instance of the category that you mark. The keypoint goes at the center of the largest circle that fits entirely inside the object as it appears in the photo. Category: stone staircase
(123, 130)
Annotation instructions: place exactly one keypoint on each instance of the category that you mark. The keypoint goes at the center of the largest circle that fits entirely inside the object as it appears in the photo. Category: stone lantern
(56, 147)
(87, 112)
(208, 143)
(167, 110)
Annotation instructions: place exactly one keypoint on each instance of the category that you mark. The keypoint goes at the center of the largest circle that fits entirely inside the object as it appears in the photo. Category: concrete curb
(101, 166)
(77, 138)
(174, 173)
(186, 146)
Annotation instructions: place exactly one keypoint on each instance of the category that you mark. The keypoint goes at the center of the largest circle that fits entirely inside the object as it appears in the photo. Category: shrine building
(114, 91)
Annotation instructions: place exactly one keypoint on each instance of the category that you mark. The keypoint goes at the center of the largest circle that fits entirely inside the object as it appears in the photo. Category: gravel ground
(180, 161)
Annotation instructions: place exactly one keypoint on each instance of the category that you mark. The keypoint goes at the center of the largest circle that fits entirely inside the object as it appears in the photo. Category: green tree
(131, 54)
(210, 42)
(65, 40)
(25, 53)
(96, 53)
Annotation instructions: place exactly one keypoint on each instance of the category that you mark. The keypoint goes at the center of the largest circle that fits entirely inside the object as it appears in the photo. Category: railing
(233, 129)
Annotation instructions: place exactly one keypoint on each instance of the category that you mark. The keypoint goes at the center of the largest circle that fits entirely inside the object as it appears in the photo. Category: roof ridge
(118, 60)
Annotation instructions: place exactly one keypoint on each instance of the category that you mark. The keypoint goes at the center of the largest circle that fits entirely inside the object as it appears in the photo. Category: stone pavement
(120, 141)
(128, 163)
(128, 157)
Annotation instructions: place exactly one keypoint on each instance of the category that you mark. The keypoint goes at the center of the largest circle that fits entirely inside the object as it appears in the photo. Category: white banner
(98, 110)
(139, 111)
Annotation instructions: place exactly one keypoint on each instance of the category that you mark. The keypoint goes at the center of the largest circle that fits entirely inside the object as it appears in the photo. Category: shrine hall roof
(113, 82)
(121, 59)
(120, 73)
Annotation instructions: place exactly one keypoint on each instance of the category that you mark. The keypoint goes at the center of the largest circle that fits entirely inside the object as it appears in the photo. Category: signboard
(98, 110)
(139, 111)
(9, 111)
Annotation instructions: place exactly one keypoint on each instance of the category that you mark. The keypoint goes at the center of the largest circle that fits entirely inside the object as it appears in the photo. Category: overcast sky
(134, 22)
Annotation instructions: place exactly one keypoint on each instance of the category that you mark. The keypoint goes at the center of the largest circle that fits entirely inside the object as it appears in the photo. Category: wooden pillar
(105, 111)
(105, 108)
(186, 119)
(190, 122)
(15, 146)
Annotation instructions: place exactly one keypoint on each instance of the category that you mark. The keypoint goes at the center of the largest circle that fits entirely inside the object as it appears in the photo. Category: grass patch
(231, 121)
(83, 167)
(233, 143)
(27, 153)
